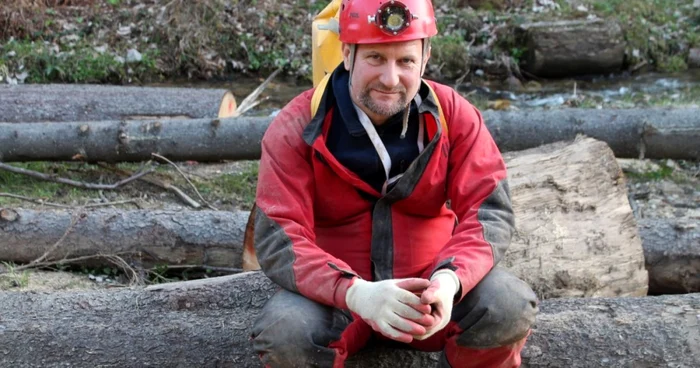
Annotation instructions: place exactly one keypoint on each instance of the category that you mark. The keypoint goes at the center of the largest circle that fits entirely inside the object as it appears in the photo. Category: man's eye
(407, 60)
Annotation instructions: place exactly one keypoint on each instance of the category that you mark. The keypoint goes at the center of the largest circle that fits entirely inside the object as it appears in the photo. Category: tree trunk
(672, 253)
(116, 141)
(573, 47)
(576, 232)
(207, 323)
(73, 102)
(211, 238)
(651, 133)
(630, 133)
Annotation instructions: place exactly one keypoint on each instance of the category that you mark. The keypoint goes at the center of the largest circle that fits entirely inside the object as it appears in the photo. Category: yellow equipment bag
(326, 52)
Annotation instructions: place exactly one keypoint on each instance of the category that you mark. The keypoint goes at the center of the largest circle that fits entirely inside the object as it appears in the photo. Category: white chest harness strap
(379, 145)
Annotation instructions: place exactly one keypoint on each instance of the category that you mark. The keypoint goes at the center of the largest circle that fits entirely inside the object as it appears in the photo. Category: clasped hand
(404, 309)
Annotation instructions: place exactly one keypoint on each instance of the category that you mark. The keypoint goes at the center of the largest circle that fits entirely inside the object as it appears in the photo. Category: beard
(383, 109)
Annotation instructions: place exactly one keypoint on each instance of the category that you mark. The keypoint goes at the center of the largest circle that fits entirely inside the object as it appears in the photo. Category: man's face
(385, 77)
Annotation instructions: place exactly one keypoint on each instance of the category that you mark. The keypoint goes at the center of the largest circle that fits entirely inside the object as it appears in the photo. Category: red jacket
(314, 230)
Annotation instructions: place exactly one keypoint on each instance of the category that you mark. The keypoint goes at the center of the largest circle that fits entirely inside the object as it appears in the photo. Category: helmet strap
(351, 58)
(426, 49)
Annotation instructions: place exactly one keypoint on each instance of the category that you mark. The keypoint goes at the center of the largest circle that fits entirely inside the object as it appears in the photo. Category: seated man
(353, 222)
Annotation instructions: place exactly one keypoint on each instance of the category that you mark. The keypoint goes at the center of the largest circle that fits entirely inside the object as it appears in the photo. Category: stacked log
(576, 234)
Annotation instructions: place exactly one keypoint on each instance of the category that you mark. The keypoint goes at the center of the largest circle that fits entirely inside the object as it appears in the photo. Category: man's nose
(390, 76)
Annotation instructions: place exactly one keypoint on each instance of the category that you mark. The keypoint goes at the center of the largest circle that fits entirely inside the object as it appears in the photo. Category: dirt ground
(657, 189)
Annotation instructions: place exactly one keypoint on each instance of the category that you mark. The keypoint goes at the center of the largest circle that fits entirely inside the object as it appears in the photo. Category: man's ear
(425, 60)
(346, 56)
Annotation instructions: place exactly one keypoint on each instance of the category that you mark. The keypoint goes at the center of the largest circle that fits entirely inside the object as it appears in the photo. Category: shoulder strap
(318, 94)
(443, 122)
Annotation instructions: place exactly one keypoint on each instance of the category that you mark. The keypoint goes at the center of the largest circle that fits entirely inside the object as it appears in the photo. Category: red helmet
(382, 21)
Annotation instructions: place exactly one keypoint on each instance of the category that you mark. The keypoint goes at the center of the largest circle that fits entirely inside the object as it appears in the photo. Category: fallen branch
(207, 323)
(154, 181)
(187, 179)
(79, 184)
(114, 259)
(58, 205)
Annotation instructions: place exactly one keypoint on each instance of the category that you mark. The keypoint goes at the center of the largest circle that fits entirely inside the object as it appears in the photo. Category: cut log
(75, 102)
(672, 254)
(573, 47)
(211, 238)
(630, 133)
(576, 232)
(207, 323)
(633, 133)
(117, 141)
(672, 250)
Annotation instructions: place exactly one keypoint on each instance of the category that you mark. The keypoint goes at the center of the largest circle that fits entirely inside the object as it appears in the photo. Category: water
(651, 89)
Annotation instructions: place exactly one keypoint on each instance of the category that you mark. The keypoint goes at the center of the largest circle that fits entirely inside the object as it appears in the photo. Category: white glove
(444, 284)
(390, 307)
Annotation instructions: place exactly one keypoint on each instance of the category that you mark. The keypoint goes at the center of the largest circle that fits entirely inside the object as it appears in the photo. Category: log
(118, 141)
(633, 133)
(211, 238)
(672, 255)
(573, 47)
(76, 102)
(671, 250)
(576, 232)
(576, 235)
(207, 323)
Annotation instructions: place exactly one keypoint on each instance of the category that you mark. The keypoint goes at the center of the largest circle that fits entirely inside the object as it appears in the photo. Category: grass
(80, 63)
(234, 189)
(39, 189)
(12, 277)
(239, 188)
(655, 30)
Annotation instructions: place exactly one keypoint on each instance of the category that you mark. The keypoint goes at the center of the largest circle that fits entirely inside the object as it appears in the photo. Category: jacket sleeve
(284, 223)
(477, 187)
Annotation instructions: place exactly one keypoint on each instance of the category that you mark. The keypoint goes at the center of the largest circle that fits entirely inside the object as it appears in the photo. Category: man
(353, 221)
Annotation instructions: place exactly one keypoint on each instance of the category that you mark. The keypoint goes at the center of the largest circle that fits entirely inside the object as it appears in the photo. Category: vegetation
(92, 42)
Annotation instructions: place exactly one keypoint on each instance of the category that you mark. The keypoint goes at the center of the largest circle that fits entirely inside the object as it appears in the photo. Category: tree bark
(630, 133)
(207, 323)
(576, 231)
(211, 238)
(573, 47)
(635, 133)
(672, 254)
(73, 102)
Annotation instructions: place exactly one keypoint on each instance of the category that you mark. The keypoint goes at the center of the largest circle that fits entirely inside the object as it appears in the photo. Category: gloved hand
(391, 307)
(444, 284)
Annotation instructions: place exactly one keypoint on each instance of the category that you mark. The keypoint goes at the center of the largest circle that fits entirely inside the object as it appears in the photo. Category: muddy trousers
(488, 329)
